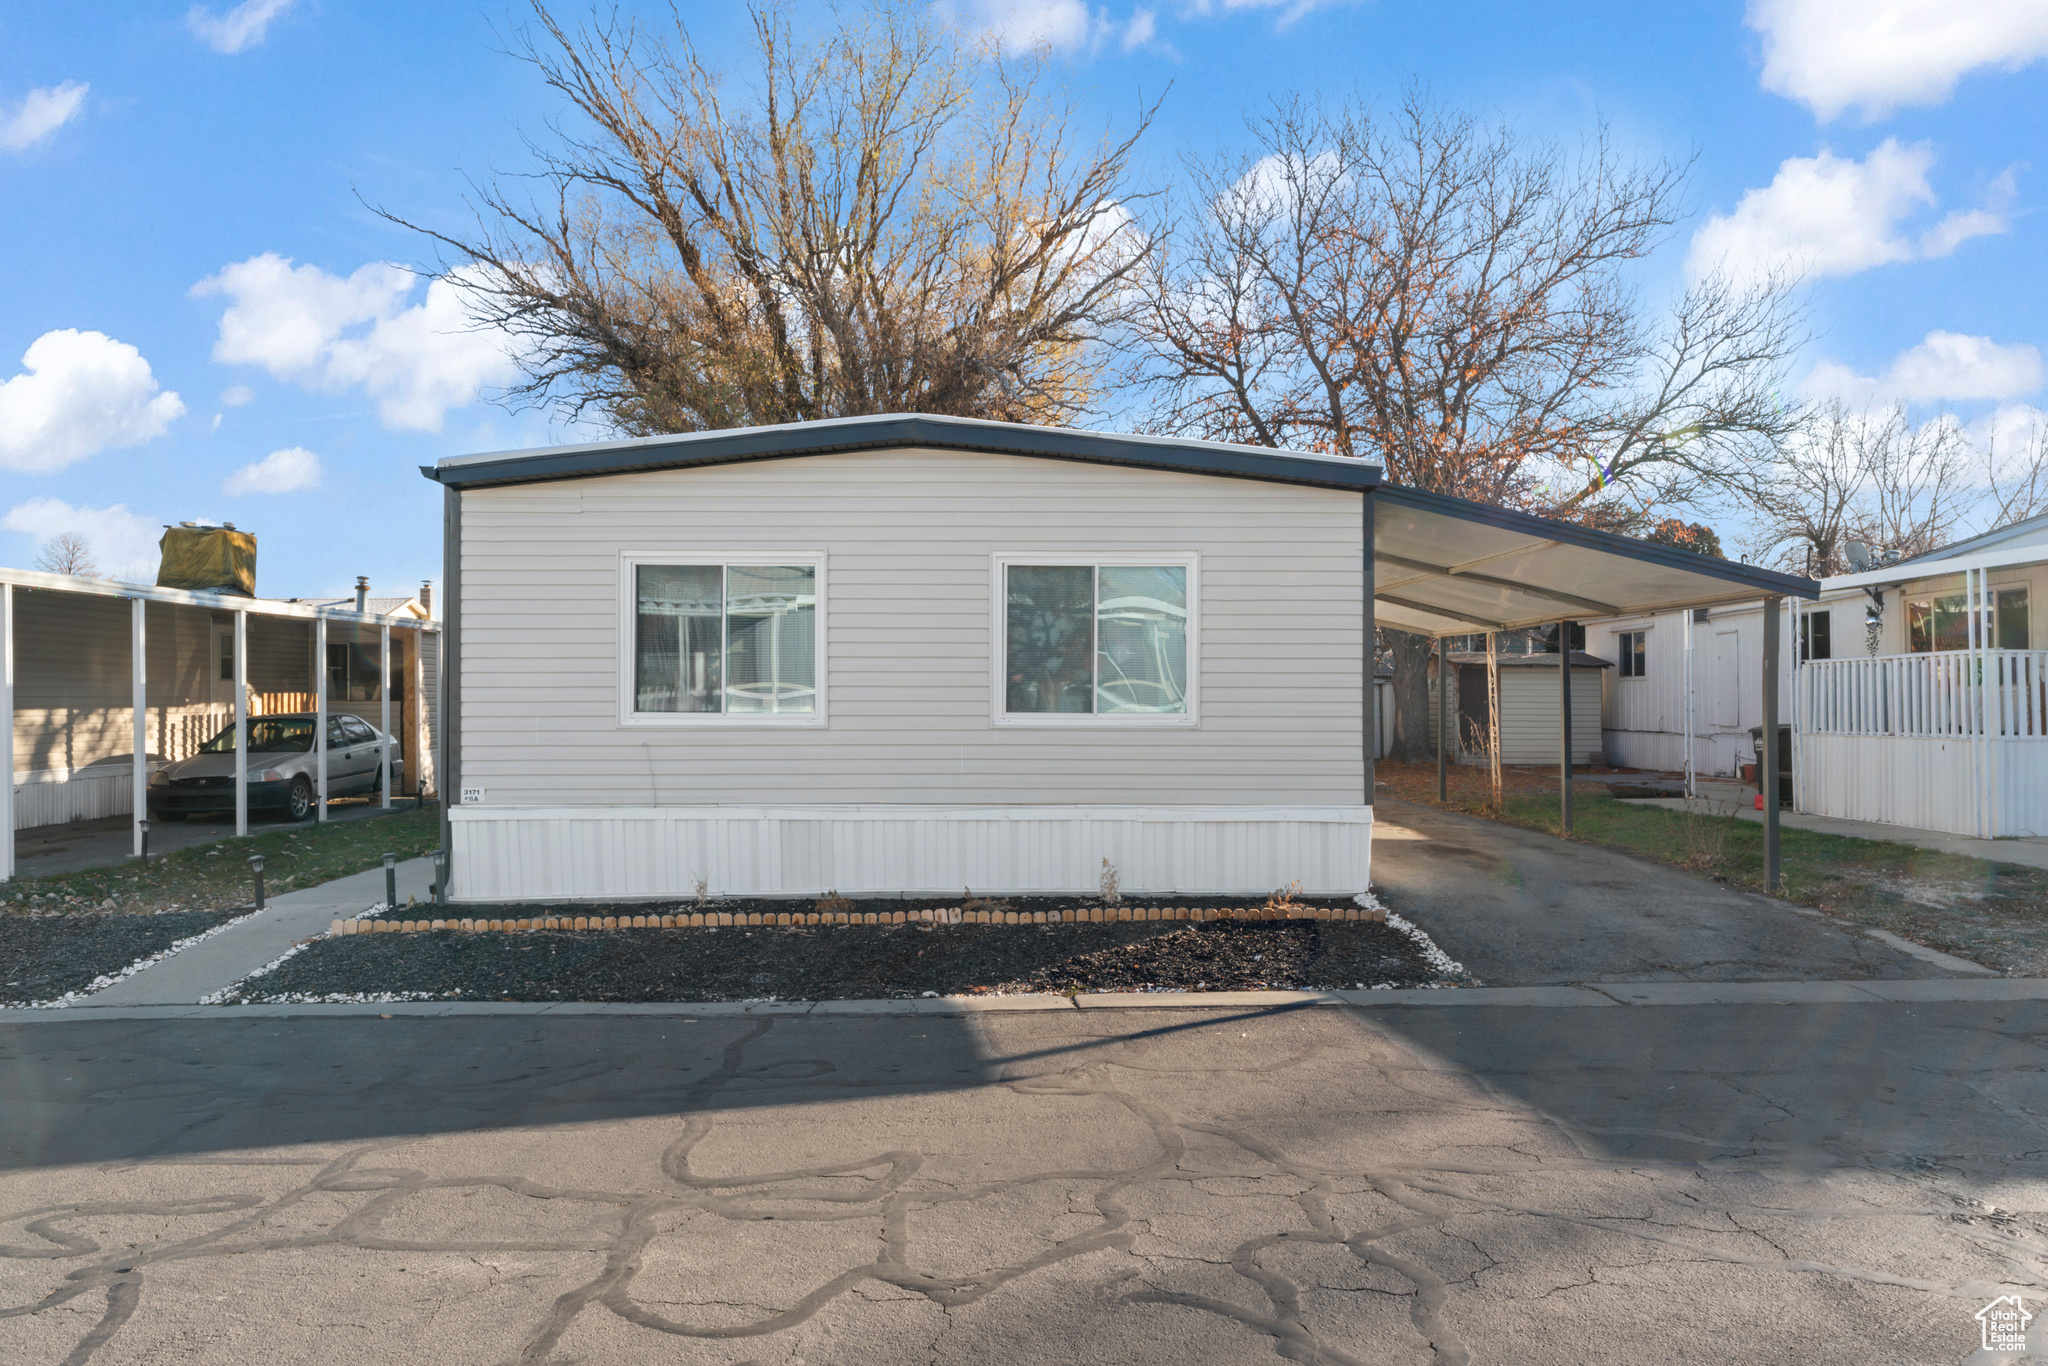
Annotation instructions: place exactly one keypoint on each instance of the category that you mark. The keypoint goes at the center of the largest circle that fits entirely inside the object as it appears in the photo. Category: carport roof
(1446, 567)
(1443, 566)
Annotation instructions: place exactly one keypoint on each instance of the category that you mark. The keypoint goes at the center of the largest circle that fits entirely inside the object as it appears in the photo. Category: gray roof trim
(1766, 581)
(1988, 540)
(901, 429)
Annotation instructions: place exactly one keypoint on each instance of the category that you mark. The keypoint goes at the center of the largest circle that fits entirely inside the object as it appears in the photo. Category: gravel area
(44, 958)
(840, 962)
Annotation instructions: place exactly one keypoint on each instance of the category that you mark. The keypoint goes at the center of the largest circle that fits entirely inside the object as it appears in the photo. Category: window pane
(677, 654)
(1141, 658)
(1051, 637)
(1951, 624)
(2012, 619)
(1919, 639)
(771, 619)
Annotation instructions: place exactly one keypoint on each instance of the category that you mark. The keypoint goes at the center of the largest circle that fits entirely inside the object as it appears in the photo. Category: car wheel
(168, 815)
(298, 800)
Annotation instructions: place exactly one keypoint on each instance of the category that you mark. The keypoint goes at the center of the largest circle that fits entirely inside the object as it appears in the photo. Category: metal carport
(1443, 566)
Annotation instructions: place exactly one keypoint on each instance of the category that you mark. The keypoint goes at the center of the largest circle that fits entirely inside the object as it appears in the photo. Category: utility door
(1472, 720)
(1724, 691)
(220, 668)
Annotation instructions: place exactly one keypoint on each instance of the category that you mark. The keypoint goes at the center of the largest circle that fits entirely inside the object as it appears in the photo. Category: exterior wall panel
(908, 538)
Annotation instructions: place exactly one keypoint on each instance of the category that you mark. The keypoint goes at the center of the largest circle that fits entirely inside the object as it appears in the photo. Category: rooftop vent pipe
(362, 592)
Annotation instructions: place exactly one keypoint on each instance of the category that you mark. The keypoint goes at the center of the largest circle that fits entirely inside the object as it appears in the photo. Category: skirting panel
(51, 797)
(581, 853)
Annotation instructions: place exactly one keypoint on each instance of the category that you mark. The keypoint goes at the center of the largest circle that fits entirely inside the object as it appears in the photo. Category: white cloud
(124, 544)
(1828, 215)
(1142, 29)
(322, 331)
(1026, 23)
(40, 113)
(241, 28)
(287, 471)
(1949, 365)
(82, 393)
(1944, 367)
(1879, 55)
(236, 396)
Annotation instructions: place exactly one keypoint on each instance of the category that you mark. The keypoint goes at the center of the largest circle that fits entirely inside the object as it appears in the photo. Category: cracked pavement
(1458, 1184)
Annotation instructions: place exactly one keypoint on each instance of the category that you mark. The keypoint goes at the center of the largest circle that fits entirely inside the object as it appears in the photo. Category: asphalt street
(1720, 1183)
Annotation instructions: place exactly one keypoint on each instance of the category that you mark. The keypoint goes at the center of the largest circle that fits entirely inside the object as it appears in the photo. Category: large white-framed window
(720, 638)
(1095, 640)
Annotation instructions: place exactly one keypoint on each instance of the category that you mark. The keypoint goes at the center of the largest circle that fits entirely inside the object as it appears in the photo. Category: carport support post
(1769, 757)
(139, 700)
(384, 691)
(241, 723)
(1564, 726)
(1443, 718)
(320, 716)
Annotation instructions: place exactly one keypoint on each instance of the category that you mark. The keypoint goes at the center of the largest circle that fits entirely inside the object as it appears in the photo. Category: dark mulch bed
(840, 962)
(45, 957)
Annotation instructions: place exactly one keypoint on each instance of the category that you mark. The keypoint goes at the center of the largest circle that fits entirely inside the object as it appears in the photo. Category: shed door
(1723, 695)
(1472, 708)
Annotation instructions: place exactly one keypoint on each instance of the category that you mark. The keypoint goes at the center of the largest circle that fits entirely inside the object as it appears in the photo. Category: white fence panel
(1955, 741)
(587, 853)
(45, 797)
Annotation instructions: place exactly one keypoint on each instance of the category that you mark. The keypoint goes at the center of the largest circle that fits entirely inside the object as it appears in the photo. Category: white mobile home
(912, 654)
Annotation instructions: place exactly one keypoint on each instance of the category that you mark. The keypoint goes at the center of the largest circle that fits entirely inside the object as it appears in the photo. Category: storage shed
(912, 654)
(1528, 706)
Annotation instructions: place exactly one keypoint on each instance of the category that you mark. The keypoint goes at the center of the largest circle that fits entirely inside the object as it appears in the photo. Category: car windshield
(267, 735)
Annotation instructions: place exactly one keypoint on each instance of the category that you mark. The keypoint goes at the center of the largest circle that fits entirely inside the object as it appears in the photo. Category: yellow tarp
(208, 560)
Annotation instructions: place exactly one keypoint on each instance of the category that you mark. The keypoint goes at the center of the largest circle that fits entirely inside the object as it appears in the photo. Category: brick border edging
(944, 915)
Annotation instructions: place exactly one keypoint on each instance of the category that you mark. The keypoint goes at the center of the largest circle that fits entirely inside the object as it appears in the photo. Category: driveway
(1522, 908)
(1409, 1185)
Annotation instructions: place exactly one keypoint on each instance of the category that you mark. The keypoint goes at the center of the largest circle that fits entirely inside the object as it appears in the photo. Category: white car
(281, 768)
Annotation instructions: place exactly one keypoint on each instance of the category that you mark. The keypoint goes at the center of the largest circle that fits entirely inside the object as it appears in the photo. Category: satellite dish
(1859, 556)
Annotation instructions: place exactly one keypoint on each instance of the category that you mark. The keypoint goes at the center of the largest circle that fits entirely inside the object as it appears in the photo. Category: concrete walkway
(236, 952)
(1722, 798)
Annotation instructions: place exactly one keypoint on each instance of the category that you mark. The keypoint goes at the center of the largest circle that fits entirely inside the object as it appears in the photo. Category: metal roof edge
(1982, 542)
(913, 429)
(1767, 581)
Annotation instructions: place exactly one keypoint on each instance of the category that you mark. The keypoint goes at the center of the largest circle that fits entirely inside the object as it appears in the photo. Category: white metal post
(138, 695)
(7, 715)
(320, 716)
(241, 723)
(1692, 787)
(384, 691)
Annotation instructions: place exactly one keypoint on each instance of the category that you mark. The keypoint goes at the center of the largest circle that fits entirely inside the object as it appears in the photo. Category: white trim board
(661, 853)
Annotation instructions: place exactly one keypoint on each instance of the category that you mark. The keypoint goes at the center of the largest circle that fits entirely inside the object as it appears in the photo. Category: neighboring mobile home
(1895, 723)
(916, 654)
(72, 687)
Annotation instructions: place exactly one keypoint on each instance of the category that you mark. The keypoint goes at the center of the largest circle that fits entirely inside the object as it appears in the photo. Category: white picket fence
(1955, 741)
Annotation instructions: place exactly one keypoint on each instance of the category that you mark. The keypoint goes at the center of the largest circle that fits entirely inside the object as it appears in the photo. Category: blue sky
(200, 318)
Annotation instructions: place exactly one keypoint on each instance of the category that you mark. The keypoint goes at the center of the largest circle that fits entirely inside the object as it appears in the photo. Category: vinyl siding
(908, 537)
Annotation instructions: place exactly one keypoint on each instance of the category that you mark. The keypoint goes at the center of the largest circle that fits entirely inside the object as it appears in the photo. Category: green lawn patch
(1991, 913)
(216, 876)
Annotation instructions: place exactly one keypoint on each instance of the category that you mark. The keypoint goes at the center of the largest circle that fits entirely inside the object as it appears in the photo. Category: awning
(1446, 567)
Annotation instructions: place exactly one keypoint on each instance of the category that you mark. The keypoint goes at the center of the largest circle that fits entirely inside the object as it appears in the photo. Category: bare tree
(68, 553)
(2017, 483)
(1869, 476)
(881, 218)
(1430, 294)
